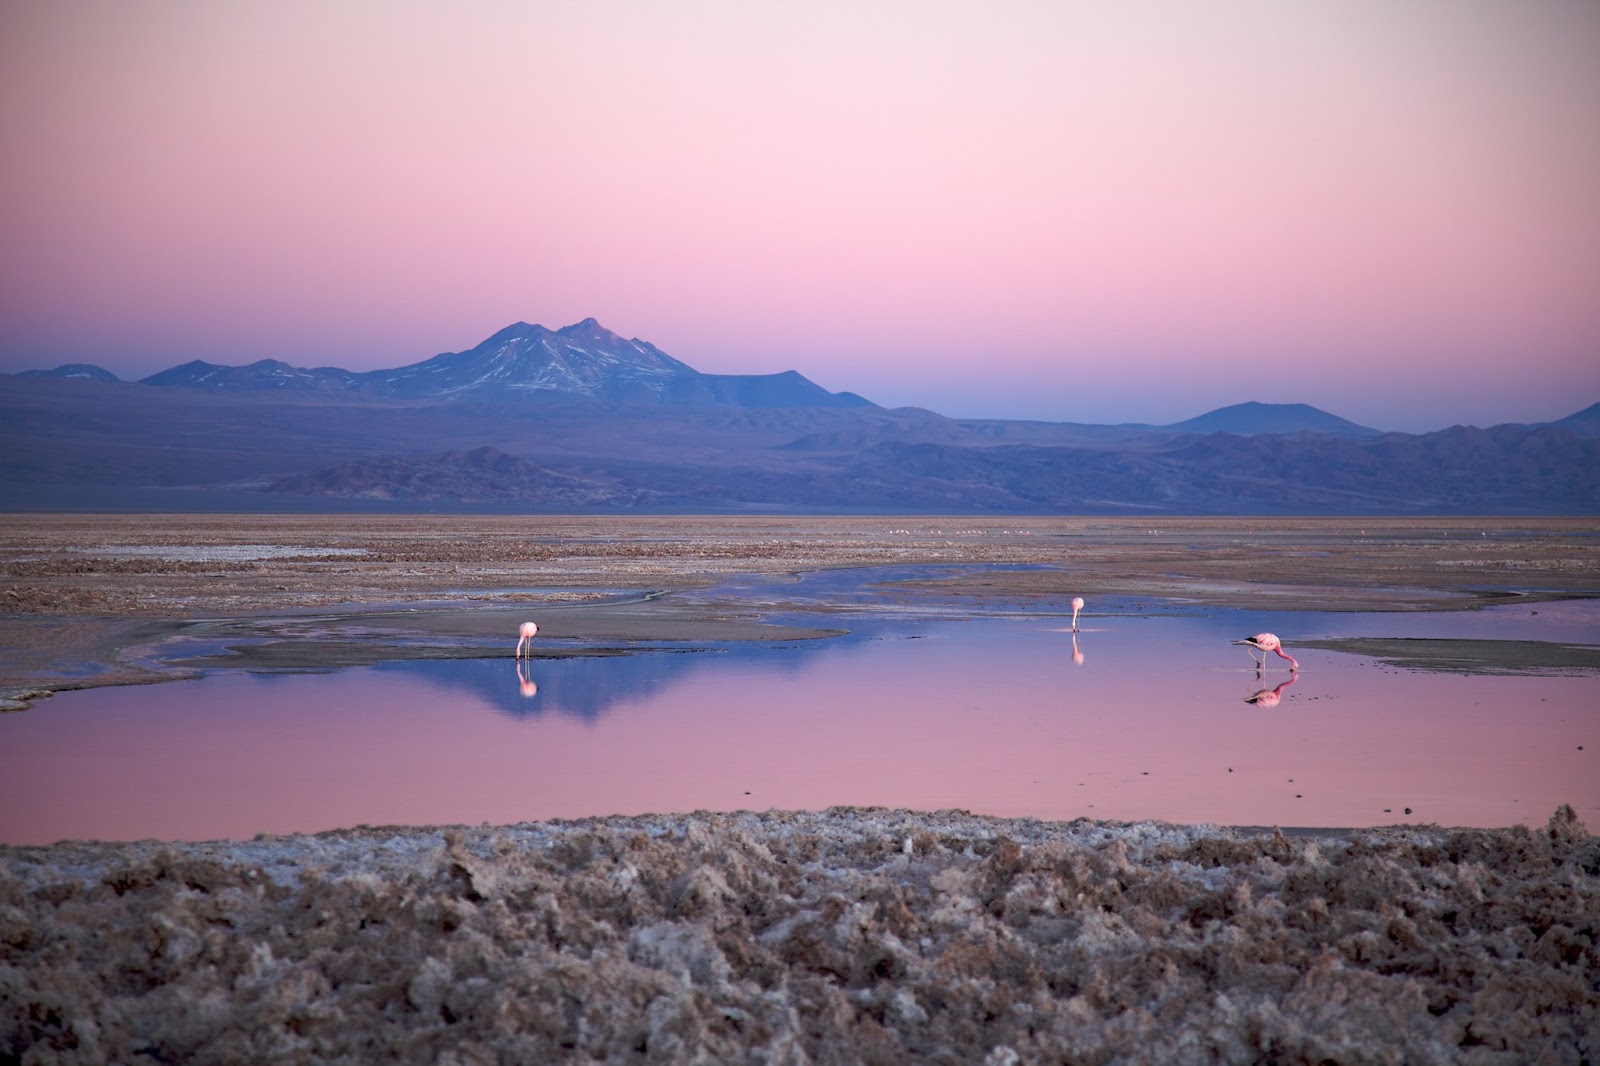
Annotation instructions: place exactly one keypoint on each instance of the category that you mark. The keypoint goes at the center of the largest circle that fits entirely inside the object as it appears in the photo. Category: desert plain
(844, 935)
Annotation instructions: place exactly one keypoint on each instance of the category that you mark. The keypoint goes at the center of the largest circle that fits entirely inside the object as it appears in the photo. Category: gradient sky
(1100, 212)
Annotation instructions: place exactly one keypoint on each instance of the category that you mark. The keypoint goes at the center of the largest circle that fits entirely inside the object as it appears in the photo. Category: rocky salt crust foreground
(845, 936)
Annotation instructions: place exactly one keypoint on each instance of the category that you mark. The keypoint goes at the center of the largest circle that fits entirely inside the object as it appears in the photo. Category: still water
(1148, 712)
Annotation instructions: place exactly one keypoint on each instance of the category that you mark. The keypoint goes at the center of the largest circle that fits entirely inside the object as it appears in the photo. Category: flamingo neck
(1294, 664)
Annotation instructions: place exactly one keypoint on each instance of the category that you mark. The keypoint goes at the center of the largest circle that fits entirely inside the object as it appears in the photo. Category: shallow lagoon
(927, 703)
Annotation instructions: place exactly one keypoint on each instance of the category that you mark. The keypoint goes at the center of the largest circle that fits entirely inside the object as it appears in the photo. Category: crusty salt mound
(838, 937)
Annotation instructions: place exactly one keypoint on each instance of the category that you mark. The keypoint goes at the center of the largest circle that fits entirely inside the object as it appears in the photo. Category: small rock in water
(1408, 810)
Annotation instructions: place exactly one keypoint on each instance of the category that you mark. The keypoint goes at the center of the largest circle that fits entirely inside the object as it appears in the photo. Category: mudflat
(83, 595)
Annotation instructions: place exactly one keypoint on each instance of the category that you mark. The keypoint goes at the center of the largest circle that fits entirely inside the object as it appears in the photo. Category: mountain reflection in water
(1134, 717)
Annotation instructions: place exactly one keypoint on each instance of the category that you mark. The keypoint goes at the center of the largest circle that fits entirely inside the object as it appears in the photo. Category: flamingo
(525, 634)
(1077, 605)
(1265, 642)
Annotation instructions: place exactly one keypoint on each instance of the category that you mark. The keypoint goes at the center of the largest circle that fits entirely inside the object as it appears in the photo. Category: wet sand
(849, 935)
(1468, 656)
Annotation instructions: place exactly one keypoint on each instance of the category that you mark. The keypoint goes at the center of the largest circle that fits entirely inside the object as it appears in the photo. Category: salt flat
(843, 935)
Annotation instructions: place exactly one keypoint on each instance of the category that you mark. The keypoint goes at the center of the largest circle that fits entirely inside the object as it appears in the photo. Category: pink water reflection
(1006, 725)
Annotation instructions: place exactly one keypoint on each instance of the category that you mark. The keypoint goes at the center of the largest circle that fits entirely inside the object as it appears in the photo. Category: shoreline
(841, 935)
(85, 594)
(846, 935)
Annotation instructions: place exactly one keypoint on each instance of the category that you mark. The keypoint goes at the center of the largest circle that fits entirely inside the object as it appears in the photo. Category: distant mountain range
(579, 418)
(584, 360)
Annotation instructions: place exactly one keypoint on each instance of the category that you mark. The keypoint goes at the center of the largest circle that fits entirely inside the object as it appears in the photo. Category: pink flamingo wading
(1077, 605)
(525, 634)
(1265, 642)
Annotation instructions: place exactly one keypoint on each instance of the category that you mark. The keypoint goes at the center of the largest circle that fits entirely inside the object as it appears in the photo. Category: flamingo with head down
(525, 634)
(1265, 642)
(1077, 605)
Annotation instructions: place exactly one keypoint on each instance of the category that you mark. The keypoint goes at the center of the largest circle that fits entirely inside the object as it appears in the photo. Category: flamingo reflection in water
(1265, 642)
(1077, 656)
(525, 684)
(1270, 697)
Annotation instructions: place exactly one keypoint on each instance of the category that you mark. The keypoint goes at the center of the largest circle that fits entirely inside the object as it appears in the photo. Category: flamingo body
(525, 634)
(1265, 642)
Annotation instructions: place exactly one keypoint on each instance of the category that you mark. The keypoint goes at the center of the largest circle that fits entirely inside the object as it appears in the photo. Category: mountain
(1251, 419)
(1462, 470)
(73, 370)
(581, 362)
(579, 419)
(584, 359)
(786, 389)
(1504, 471)
(1586, 423)
(483, 475)
(262, 375)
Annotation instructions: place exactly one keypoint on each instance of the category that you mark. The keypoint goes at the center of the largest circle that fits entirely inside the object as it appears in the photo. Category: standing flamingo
(1265, 642)
(525, 634)
(1077, 605)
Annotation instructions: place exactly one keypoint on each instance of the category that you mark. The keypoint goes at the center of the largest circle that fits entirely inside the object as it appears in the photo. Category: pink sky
(1075, 211)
